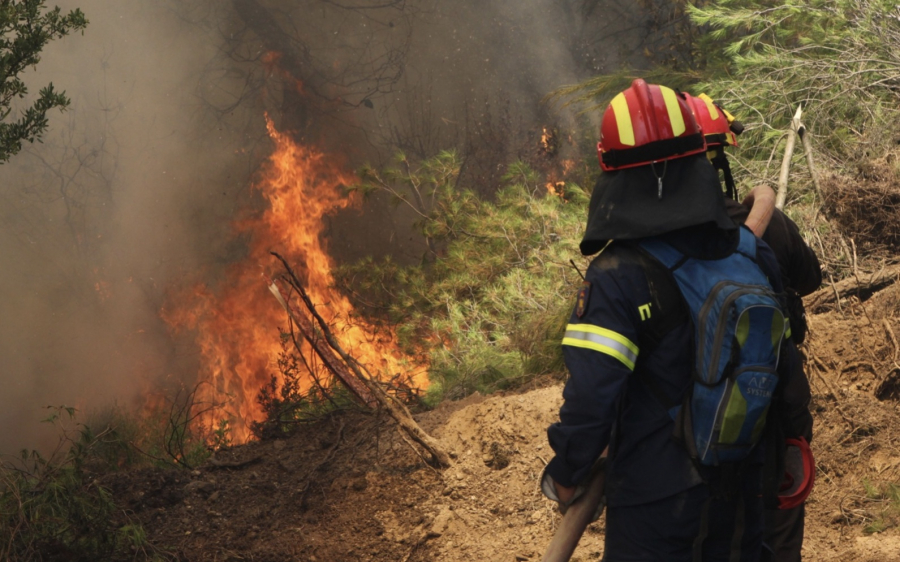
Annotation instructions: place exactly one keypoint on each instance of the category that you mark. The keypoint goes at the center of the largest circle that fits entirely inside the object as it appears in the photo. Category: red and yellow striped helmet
(715, 122)
(647, 123)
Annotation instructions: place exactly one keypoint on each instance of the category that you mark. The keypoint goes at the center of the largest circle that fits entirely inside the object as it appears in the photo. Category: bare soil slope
(348, 488)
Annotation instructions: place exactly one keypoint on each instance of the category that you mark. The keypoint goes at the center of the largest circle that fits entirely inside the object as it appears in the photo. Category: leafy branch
(24, 32)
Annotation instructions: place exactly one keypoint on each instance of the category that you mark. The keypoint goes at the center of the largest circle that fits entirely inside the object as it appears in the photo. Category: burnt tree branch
(349, 370)
(274, 38)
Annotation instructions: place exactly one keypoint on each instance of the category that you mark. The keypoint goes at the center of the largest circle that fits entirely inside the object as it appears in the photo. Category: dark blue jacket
(607, 399)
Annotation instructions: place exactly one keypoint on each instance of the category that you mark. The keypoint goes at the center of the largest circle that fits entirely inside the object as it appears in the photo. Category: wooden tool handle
(575, 521)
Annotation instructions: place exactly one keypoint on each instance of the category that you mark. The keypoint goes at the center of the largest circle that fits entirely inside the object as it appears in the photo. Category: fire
(555, 186)
(236, 324)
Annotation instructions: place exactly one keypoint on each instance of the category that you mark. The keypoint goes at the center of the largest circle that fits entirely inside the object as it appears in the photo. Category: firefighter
(629, 345)
(801, 275)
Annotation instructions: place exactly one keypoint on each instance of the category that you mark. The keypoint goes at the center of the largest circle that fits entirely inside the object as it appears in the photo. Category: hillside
(348, 488)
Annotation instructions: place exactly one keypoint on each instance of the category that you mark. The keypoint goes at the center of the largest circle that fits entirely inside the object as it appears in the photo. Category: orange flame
(554, 185)
(236, 324)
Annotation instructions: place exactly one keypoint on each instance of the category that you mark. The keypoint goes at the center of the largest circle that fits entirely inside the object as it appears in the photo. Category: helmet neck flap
(625, 204)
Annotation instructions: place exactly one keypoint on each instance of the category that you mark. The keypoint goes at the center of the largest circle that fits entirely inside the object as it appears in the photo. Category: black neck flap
(625, 204)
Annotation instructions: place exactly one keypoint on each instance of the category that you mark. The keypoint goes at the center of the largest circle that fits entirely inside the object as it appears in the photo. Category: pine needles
(488, 304)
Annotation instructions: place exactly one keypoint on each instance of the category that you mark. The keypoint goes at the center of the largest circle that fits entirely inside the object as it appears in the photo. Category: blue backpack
(739, 325)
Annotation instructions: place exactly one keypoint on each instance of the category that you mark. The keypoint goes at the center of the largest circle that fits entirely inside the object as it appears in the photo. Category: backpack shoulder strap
(668, 303)
(747, 244)
(664, 253)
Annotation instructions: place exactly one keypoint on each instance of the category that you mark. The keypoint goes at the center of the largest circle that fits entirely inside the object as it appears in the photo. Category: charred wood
(350, 371)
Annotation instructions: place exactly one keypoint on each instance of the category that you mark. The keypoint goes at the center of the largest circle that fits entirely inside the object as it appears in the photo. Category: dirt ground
(348, 488)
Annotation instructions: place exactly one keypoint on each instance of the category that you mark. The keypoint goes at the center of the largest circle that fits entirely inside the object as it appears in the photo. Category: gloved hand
(565, 496)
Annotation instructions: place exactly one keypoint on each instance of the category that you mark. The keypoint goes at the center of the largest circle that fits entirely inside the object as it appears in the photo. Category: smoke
(133, 192)
(130, 189)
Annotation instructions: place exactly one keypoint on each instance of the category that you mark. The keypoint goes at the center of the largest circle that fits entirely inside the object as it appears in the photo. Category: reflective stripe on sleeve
(602, 340)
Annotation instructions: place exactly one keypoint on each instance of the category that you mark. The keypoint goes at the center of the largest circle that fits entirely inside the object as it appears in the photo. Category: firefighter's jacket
(608, 401)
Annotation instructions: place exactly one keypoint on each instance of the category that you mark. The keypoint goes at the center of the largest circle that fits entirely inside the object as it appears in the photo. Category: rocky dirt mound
(348, 488)
(867, 205)
(491, 507)
(852, 361)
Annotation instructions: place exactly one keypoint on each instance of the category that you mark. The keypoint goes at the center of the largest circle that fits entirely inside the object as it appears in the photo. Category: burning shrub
(289, 400)
(233, 321)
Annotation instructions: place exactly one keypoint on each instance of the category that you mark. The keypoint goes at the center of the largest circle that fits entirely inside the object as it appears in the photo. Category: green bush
(51, 508)
(489, 303)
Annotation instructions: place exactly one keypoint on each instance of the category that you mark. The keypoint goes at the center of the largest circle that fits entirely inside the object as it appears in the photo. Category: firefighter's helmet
(719, 127)
(647, 123)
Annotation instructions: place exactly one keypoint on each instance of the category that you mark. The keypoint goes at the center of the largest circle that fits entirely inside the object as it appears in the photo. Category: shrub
(295, 396)
(51, 509)
(489, 303)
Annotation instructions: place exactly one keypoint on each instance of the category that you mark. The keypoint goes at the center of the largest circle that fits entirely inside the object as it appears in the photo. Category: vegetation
(25, 29)
(885, 496)
(167, 435)
(763, 58)
(489, 304)
(839, 59)
(56, 508)
(52, 508)
(289, 400)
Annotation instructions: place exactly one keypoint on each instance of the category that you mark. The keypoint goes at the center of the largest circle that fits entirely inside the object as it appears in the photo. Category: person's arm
(799, 263)
(761, 202)
(600, 352)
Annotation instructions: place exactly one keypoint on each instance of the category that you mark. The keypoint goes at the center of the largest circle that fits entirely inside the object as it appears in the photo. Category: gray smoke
(135, 187)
